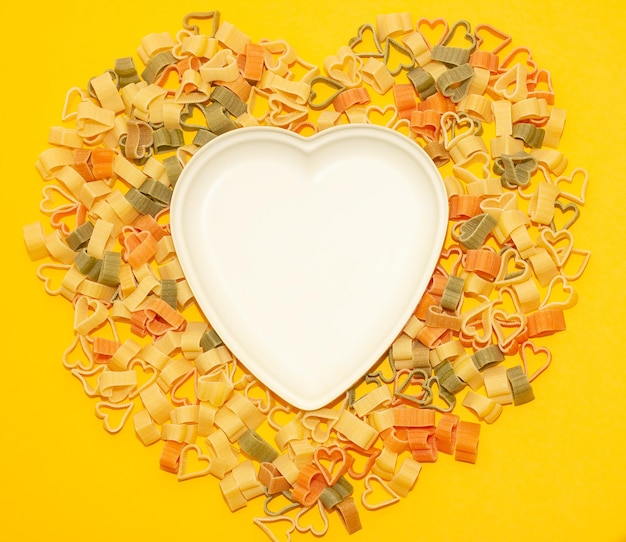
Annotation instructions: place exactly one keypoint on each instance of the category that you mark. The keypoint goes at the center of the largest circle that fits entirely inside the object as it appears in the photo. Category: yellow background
(550, 470)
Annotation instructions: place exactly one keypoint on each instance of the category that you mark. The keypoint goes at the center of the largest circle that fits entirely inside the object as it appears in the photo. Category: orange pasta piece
(405, 99)
(545, 322)
(252, 61)
(102, 163)
(464, 206)
(425, 302)
(309, 485)
(445, 433)
(484, 262)
(437, 102)
(350, 97)
(103, 349)
(148, 222)
(425, 123)
(467, 441)
(161, 318)
(413, 417)
(422, 444)
(140, 248)
(170, 456)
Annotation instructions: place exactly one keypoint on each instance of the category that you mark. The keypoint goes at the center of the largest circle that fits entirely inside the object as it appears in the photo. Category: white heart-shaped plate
(308, 255)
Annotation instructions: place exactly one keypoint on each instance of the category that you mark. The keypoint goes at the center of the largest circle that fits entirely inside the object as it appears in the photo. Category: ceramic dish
(308, 255)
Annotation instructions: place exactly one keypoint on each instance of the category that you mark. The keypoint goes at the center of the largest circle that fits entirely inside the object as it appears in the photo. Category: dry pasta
(503, 281)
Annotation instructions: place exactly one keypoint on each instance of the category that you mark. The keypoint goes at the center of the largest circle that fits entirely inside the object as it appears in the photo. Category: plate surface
(309, 254)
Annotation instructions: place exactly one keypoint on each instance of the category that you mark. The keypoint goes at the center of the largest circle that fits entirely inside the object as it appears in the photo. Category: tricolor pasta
(148, 358)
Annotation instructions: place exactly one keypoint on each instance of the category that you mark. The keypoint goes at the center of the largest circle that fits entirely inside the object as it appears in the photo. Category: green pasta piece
(110, 268)
(173, 168)
(144, 204)
(529, 134)
(126, 71)
(231, 102)
(80, 236)
(210, 340)
(423, 82)
(331, 496)
(165, 140)
(450, 56)
(475, 230)
(453, 292)
(520, 386)
(218, 120)
(84, 262)
(455, 82)
(487, 357)
(94, 272)
(156, 191)
(448, 379)
(256, 447)
(187, 113)
(157, 64)
(169, 292)
(203, 136)
(515, 170)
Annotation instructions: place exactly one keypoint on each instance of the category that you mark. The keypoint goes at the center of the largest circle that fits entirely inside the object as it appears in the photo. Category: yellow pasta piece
(230, 36)
(93, 121)
(505, 144)
(287, 467)
(179, 433)
(145, 428)
(224, 458)
(376, 74)
(232, 494)
(483, 407)
(221, 67)
(497, 384)
(89, 315)
(385, 464)
(417, 44)
(512, 84)
(101, 238)
(64, 137)
(381, 396)
(245, 410)
(289, 432)
(402, 348)
(381, 420)
(58, 249)
(541, 204)
(175, 370)
(186, 414)
(392, 24)
(106, 92)
(214, 388)
(156, 403)
(153, 356)
(477, 106)
(35, 241)
(527, 295)
(554, 127)
(206, 418)
(356, 430)
(212, 359)
(301, 452)
(405, 477)
(153, 44)
(190, 339)
(246, 478)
